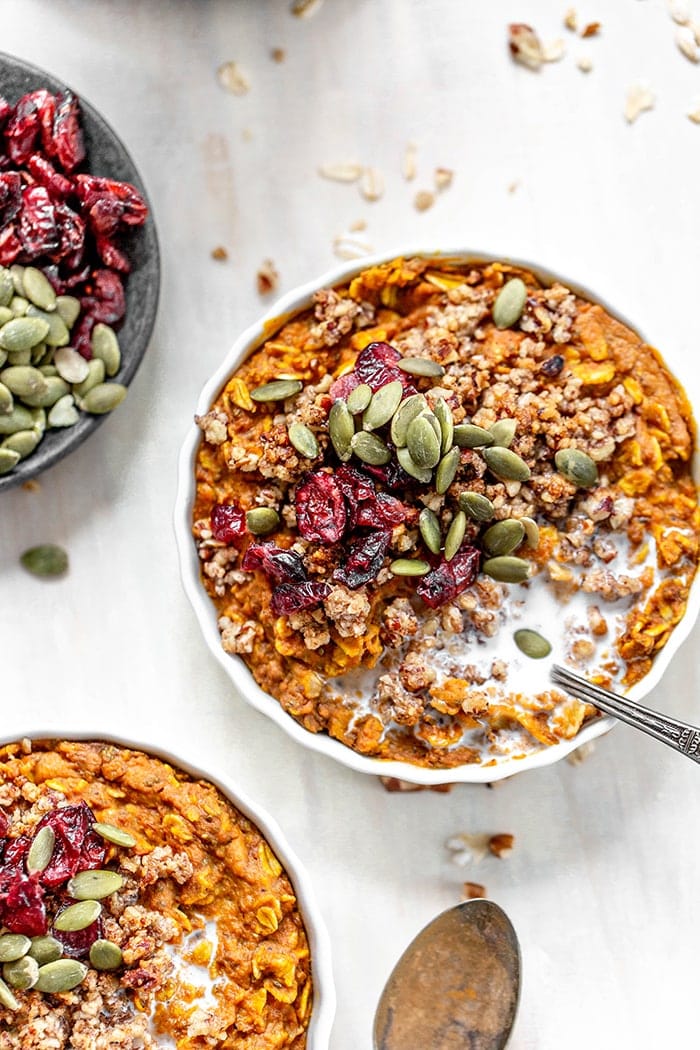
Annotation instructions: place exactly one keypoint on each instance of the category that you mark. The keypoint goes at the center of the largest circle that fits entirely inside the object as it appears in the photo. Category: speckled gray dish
(106, 156)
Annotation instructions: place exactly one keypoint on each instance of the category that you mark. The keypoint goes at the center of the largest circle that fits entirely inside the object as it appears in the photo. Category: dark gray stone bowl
(107, 156)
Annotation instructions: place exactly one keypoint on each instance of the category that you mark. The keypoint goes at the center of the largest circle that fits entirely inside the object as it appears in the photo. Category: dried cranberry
(293, 597)
(67, 143)
(376, 366)
(320, 508)
(76, 944)
(227, 523)
(384, 510)
(10, 196)
(450, 578)
(354, 484)
(392, 475)
(344, 385)
(126, 204)
(5, 111)
(111, 255)
(43, 171)
(108, 290)
(38, 230)
(81, 334)
(24, 126)
(364, 560)
(23, 909)
(552, 366)
(280, 565)
(71, 232)
(10, 245)
(70, 825)
(365, 506)
(93, 850)
(12, 867)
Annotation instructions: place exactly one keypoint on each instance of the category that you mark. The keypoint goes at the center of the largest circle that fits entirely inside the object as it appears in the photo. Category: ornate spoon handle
(678, 735)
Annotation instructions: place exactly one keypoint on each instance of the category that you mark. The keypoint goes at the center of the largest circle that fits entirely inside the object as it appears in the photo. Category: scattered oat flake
(577, 757)
(267, 278)
(685, 41)
(525, 45)
(342, 172)
(584, 64)
(694, 112)
(423, 200)
(247, 135)
(346, 247)
(571, 20)
(31, 485)
(408, 168)
(554, 51)
(695, 26)
(233, 79)
(639, 98)
(592, 29)
(513, 186)
(278, 54)
(219, 253)
(357, 226)
(371, 184)
(473, 891)
(679, 12)
(501, 845)
(467, 848)
(443, 179)
(306, 8)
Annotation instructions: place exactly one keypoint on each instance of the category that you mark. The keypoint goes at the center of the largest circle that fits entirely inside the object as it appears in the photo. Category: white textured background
(603, 883)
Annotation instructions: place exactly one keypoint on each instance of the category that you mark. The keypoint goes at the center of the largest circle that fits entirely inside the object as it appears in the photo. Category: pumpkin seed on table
(421, 366)
(409, 567)
(430, 530)
(359, 398)
(7, 999)
(476, 506)
(63, 412)
(105, 346)
(407, 463)
(276, 390)
(503, 537)
(446, 471)
(70, 365)
(60, 976)
(532, 644)
(576, 466)
(382, 406)
(506, 465)
(509, 303)
(303, 439)
(370, 449)
(9, 459)
(105, 955)
(455, 535)
(38, 289)
(78, 916)
(45, 560)
(94, 884)
(407, 411)
(532, 532)
(45, 949)
(503, 432)
(467, 435)
(41, 850)
(13, 946)
(341, 430)
(423, 443)
(507, 569)
(21, 974)
(104, 397)
(23, 380)
(262, 520)
(114, 834)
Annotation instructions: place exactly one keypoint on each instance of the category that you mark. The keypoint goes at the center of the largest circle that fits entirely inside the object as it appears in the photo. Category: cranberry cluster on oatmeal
(430, 479)
(139, 908)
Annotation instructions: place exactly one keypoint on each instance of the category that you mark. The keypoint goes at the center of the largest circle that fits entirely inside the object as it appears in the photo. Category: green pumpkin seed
(407, 411)
(96, 374)
(506, 465)
(13, 946)
(22, 333)
(532, 532)
(503, 432)
(504, 537)
(55, 389)
(359, 398)
(38, 353)
(434, 422)
(261, 521)
(94, 884)
(21, 357)
(23, 380)
(7, 999)
(19, 418)
(507, 569)
(421, 366)
(105, 955)
(71, 365)
(105, 346)
(58, 334)
(114, 834)
(467, 435)
(22, 974)
(423, 443)
(303, 439)
(419, 473)
(409, 567)
(47, 370)
(382, 406)
(532, 644)
(476, 506)
(8, 460)
(64, 413)
(60, 976)
(276, 390)
(5, 315)
(68, 309)
(19, 305)
(576, 466)
(38, 417)
(17, 275)
(103, 398)
(22, 441)
(45, 560)
(341, 429)
(455, 535)
(7, 288)
(38, 288)
(445, 473)
(444, 417)
(77, 916)
(430, 530)
(45, 949)
(41, 850)
(3, 357)
(370, 449)
(510, 303)
(6, 400)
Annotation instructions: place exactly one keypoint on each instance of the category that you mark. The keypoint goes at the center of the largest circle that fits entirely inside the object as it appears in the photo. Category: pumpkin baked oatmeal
(139, 909)
(435, 476)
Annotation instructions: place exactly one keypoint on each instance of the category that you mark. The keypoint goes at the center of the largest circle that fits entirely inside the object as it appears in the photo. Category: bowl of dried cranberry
(79, 270)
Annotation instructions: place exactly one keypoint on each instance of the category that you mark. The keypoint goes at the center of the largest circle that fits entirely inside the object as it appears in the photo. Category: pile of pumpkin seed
(44, 382)
(37, 962)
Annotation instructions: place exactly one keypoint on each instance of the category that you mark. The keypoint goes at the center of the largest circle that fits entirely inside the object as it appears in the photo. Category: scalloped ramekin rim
(324, 996)
(288, 304)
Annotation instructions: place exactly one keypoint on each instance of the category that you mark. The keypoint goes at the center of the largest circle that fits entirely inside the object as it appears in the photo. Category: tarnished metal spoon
(456, 986)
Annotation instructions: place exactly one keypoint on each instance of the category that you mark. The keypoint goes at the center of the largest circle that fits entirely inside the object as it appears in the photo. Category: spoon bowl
(456, 987)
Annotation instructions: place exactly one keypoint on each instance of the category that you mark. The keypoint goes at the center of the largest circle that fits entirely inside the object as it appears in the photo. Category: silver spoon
(456, 986)
(679, 735)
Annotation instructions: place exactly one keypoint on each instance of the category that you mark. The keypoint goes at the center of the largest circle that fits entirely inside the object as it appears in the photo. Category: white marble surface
(602, 883)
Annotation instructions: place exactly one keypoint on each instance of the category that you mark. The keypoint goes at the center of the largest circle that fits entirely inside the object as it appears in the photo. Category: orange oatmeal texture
(608, 561)
(214, 949)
